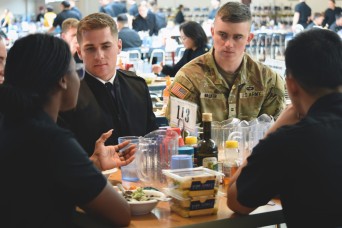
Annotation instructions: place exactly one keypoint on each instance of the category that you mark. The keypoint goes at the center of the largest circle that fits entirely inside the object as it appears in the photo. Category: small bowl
(108, 172)
(145, 207)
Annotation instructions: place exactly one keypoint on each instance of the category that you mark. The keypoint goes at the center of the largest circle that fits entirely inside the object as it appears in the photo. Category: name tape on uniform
(185, 111)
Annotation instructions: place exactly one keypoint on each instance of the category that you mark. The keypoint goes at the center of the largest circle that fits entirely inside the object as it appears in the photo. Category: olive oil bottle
(207, 148)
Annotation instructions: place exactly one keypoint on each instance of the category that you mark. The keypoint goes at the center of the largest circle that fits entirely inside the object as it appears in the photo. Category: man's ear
(250, 37)
(79, 53)
(292, 85)
(119, 45)
(63, 83)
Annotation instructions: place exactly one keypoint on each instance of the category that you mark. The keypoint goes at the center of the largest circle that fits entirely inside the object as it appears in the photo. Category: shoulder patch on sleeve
(179, 90)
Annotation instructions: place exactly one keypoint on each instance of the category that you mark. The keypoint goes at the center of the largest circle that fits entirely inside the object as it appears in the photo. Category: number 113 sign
(185, 111)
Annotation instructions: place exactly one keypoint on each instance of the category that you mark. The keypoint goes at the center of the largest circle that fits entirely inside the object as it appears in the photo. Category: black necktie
(110, 89)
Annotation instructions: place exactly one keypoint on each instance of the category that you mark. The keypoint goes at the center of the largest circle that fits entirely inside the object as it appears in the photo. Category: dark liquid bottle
(207, 148)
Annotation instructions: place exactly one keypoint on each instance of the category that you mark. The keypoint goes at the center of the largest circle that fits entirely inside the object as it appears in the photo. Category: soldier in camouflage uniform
(226, 81)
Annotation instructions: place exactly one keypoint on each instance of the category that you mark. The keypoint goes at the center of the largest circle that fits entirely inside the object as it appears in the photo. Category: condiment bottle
(191, 141)
(207, 148)
(231, 155)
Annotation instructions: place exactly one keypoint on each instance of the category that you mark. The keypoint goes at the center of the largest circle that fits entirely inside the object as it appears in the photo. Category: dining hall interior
(184, 119)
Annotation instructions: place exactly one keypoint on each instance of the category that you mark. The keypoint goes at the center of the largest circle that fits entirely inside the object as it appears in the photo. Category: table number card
(183, 113)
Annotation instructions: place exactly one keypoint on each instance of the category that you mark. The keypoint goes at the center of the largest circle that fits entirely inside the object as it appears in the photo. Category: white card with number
(183, 114)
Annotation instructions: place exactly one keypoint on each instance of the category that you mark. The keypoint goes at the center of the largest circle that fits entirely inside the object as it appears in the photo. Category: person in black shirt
(300, 159)
(195, 42)
(41, 80)
(331, 13)
(145, 20)
(66, 13)
(302, 14)
(179, 18)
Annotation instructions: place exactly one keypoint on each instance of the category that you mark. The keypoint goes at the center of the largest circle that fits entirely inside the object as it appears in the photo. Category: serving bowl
(145, 207)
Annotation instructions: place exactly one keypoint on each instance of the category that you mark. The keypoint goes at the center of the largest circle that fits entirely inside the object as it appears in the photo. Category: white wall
(29, 7)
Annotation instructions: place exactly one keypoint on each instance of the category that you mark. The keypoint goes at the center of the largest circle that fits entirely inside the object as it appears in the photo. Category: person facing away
(68, 34)
(106, 7)
(331, 12)
(195, 43)
(145, 20)
(118, 7)
(302, 14)
(179, 18)
(123, 105)
(39, 84)
(300, 158)
(129, 37)
(226, 81)
(64, 14)
(74, 8)
(317, 21)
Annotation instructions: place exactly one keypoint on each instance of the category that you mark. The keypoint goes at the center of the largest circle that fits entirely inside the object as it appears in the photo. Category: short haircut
(66, 4)
(313, 58)
(333, 1)
(234, 12)
(69, 23)
(317, 15)
(122, 17)
(96, 21)
(194, 31)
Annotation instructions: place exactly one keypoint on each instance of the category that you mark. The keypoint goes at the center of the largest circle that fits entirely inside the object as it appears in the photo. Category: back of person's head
(194, 31)
(314, 58)
(65, 4)
(69, 23)
(96, 21)
(122, 17)
(35, 64)
(234, 12)
(49, 8)
(317, 15)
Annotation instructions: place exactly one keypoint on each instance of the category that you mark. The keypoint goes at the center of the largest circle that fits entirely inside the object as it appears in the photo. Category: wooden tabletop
(162, 216)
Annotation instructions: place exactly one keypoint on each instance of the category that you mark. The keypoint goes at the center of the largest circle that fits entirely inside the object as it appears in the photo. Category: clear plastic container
(193, 182)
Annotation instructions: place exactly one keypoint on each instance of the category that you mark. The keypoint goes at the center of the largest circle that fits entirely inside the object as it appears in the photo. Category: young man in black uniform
(108, 98)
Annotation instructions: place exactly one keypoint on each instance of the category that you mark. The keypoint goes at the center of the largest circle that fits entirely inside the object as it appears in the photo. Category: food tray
(193, 179)
(192, 203)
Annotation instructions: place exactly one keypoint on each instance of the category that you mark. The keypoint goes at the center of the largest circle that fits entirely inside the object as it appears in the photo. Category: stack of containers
(193, 191)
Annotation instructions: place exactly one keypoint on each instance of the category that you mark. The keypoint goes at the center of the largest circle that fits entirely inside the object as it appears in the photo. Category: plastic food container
(193, 181)
(190, 213)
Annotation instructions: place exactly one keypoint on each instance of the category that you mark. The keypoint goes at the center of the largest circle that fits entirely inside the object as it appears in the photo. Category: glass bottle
(207, 148)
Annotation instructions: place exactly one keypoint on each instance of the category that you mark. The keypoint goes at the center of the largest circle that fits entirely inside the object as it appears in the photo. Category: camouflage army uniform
(256, 90)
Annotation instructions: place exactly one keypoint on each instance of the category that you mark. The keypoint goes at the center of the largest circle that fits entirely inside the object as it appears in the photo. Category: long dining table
(162, 216)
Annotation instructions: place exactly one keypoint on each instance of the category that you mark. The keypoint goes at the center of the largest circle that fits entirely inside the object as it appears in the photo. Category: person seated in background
(316, 21)
(41, 80)
(129, 37)
(49, 17)
(108, 98)
(226, 81)
(145, 20)
(337, 25)
(300, 158)
(330, 13)
(63, 15)
(195, 43)
(179, 18)
(40, 15)
(69, 31)
(106, 7)
(118, 7)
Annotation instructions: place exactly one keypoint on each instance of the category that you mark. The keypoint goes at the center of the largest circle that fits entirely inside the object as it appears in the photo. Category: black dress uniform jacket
(130, 113)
